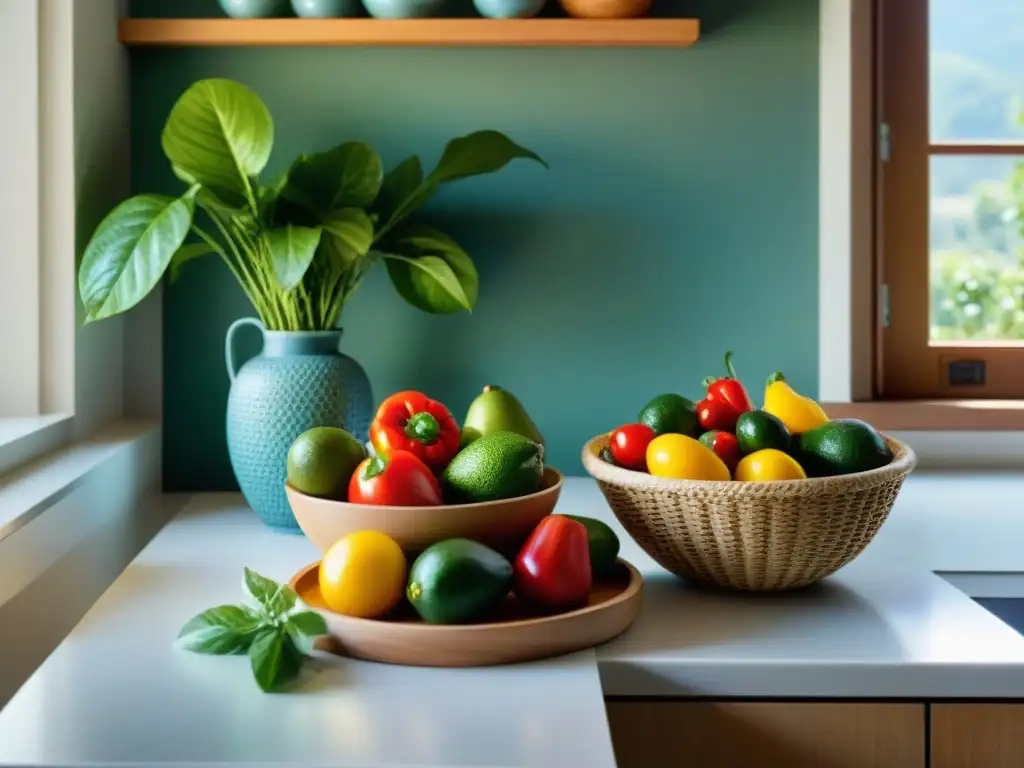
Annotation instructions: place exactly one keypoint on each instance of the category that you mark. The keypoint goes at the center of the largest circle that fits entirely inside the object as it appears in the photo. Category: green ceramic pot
(403, 9)
(256, 9)
(327, 9)
(299, 381)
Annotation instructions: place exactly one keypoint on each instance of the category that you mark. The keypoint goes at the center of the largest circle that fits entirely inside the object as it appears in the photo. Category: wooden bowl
(606, 9)
(512, 634)
(499, 524)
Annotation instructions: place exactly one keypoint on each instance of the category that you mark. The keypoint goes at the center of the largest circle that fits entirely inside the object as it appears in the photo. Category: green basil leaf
(226, 629)
(184, 255)
(219, 134)
(348, 175)
(275, 599)
(309, 623)
(303, 643)
(292, 250)
(130, 251)
(274, 659)
(430, 270)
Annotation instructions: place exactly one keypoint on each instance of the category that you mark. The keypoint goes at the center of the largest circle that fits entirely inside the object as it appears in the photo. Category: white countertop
(118, 692)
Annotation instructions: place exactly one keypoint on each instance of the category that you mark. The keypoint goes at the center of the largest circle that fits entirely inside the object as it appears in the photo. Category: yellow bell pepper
(798, 412)
(684, 458)
(767, 465)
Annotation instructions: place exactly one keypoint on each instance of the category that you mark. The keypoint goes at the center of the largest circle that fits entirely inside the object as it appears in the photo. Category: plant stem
(247, 288)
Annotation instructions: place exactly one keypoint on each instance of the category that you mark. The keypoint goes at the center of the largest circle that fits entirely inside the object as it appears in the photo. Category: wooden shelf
(671, 33)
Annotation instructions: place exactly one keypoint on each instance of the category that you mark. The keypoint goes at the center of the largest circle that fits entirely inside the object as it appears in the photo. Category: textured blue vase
(299, 381)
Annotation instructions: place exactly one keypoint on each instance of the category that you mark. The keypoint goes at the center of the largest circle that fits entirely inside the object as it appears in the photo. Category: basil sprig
(272, 626)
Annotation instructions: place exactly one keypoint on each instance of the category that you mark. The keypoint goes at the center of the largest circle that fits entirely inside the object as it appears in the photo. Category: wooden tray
(512, 634)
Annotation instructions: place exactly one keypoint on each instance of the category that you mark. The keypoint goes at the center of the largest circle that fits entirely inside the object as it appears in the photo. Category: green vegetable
(758, 430)
(299, 245)
(502, 465)
(841, 447)
(604, 546)
(457, 581)
(273, 628)
(671, 413)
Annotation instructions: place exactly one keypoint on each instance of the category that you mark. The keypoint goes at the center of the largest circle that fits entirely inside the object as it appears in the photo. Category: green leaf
(130, 251)
(471, 155)
(309, 623)
(292, 250)
(349, 175)
(219, 134)
(303, 627)
(275, 599)
(399, 184)
(348, 235)
(185, 254)
(431, 271)
(226, 629)
(479, 153)
(274, 658)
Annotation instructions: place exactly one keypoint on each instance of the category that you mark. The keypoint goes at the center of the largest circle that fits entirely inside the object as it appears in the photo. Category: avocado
(758, 430)
(841, 447)
(604, 546)
(457, 581)
(501, 465)
(498, 410)
(671, 413)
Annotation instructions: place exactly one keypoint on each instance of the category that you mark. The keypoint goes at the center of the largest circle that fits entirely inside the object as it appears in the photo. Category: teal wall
(678, 219)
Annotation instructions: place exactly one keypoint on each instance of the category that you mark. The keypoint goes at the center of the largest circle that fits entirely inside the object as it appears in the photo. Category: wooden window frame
(909, 365)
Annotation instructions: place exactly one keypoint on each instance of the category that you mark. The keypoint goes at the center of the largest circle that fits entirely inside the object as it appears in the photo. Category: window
(36, 213)
(950, 213)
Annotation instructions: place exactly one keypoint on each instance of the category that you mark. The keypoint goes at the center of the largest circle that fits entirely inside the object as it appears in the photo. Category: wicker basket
(751, 536)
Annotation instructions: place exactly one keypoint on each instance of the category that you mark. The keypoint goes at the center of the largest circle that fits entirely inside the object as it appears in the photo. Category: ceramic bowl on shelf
(256, 9)
(500, 524)
(403, 9)
(327, 9)
(606, 9)
(509, 9)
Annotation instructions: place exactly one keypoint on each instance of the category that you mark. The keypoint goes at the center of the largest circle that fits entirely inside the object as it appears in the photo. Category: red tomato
(629, 446)
(394, 479)
(553, 567)
(724, 445)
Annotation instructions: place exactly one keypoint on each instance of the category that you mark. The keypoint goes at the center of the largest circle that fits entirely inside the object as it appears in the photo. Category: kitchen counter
(118, 692)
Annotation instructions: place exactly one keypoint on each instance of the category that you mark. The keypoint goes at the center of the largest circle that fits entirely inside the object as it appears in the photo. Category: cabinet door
(977, 736)
(678, 734)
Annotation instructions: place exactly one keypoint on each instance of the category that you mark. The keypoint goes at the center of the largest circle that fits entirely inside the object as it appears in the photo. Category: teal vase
(300, 380)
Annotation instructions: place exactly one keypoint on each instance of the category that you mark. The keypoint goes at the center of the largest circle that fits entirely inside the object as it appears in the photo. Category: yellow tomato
(684, 458)
(769, 464)
(363, 574)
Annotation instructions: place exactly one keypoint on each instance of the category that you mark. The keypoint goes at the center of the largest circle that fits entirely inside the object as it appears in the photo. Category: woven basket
(751, 536)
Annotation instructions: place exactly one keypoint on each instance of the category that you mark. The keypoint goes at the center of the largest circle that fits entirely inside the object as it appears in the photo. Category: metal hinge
(884, 143)
(883, 305)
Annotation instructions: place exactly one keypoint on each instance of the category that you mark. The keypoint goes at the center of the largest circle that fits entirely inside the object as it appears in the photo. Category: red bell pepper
(411, 421)
(725, 401)
(394, 479)
(628, 446)
(724, 445)
(553, 567)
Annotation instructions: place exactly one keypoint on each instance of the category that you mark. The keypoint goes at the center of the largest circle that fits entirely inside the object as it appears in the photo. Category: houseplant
(299, 246)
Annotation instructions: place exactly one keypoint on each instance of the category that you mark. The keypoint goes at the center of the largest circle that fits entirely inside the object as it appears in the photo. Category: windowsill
(35, 487)
(28, 438)
(937, 415)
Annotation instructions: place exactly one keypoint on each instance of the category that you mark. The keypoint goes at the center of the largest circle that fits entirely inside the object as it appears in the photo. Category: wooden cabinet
(678, 734)
(977, 735)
